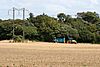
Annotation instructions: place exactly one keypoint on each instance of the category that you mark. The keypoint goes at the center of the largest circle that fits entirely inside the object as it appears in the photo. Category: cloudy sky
(50, 7)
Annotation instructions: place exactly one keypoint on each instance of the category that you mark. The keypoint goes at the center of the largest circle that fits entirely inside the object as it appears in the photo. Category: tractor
(65, 39)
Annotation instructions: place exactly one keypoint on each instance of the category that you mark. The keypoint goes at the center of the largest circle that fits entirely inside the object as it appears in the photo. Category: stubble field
(40, 54)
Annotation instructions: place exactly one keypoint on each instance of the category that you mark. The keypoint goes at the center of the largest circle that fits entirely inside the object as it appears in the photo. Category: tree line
(85, 27)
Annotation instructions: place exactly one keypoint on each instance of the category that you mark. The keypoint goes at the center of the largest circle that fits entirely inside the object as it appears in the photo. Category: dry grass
(40, 54)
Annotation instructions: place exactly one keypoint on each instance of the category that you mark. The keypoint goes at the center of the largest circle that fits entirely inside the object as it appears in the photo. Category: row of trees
(84, 28)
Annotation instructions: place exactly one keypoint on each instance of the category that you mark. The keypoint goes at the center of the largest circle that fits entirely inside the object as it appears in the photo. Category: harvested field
(40, 54)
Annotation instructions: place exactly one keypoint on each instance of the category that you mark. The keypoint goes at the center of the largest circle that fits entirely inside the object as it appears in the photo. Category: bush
(98, 39)
(18, 38)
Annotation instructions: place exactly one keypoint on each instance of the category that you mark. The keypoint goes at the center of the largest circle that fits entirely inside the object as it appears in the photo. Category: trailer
(59, 39)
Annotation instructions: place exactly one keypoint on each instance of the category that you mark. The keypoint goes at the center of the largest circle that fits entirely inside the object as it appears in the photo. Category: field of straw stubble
(41, 54)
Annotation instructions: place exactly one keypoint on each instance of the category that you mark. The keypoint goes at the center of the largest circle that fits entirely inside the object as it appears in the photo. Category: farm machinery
(66, 39)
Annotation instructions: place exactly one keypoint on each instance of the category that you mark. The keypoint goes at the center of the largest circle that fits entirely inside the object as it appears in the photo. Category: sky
(50, 7)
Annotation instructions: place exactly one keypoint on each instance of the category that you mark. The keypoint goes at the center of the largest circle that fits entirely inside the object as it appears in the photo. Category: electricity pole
(24, 12)
(23, 24)
(13, 22)
(13, 14)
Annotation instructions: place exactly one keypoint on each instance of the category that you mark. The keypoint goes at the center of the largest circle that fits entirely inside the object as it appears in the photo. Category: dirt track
(39, 54)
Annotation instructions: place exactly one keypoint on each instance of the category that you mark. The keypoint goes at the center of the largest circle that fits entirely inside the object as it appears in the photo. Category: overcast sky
(50, 7)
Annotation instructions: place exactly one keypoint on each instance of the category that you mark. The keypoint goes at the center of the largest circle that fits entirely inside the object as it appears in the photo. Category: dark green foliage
(98, 38)
(31, 18)
(18, 38)
(61, 17)
(5, 30)
(46, 27)
(85, 28)
(91, 17)
(30, 32)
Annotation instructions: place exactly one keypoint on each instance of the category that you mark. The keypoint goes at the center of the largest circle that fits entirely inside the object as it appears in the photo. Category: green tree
(61, 17)
(68, 19)
(31, 17)
(85, 28)
(91, 17)
(5, 30)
